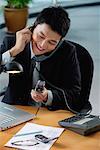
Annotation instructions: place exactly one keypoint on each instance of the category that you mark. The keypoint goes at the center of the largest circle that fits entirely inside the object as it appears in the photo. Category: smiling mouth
(39, 48)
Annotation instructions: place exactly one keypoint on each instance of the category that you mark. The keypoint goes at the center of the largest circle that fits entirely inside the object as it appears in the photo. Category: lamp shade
(13, 67)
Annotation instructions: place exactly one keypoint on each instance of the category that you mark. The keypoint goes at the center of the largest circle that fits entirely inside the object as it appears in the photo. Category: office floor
(85, 29)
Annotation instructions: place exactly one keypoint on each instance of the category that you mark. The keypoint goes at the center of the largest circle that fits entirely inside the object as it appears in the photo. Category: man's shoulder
(10, 37)
(67, 47)
(68, 44)
(9, 40)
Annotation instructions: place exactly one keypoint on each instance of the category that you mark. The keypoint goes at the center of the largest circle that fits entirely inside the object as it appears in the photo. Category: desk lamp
(11, 68)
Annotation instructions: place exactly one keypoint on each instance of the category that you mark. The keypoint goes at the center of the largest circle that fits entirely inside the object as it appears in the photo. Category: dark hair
(56, 17)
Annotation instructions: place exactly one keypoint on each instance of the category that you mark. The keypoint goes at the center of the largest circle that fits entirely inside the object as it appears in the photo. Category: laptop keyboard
(4, 118)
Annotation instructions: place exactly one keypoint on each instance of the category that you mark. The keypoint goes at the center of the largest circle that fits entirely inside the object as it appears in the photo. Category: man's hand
(39, 96)
(22, 38)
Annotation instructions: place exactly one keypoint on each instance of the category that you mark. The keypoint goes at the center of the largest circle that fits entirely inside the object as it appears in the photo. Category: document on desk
(26, 138)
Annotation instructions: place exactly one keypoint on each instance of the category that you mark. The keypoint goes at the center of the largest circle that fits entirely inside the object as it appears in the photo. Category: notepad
(25, 138)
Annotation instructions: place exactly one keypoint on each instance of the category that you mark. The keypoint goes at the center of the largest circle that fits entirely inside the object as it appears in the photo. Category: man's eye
(52, 43)
(41, 36)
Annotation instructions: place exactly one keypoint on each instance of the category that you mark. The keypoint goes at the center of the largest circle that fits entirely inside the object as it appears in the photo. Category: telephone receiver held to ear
(31, 28)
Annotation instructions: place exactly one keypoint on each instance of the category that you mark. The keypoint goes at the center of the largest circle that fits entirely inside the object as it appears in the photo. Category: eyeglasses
(25, 143)
(32, 142)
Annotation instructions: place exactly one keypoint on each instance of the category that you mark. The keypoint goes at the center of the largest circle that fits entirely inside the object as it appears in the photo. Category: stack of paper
(25, 138)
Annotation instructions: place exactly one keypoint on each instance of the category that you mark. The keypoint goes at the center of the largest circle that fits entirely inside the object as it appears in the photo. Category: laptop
(11, 116)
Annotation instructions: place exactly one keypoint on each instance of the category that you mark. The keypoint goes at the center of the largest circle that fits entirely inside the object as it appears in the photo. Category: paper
(25, 138)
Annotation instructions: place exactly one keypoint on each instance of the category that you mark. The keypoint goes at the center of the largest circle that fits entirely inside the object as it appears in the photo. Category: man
(55, 62)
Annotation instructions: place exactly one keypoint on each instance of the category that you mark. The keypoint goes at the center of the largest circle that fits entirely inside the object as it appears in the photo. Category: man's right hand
(22, 38)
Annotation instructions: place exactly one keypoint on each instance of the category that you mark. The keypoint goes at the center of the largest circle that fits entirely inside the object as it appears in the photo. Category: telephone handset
(31, 28)
(43, 57)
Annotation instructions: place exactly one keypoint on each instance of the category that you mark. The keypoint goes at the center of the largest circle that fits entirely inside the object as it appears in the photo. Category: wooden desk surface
(67, 141)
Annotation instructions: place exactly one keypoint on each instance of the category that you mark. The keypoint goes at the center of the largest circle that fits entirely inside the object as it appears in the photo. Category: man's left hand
(39, 96)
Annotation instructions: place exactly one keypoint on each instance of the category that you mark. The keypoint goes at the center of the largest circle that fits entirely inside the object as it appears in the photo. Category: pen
(37, 111)
(23, 134)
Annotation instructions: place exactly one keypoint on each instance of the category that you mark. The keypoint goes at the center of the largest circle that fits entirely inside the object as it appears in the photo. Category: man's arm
(70, 79)
(6, 57)
(10, 48)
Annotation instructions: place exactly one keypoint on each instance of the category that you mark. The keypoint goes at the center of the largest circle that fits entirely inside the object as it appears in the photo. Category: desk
(67, 141)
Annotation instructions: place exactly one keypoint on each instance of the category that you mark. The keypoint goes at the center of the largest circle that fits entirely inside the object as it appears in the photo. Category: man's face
(44, 39)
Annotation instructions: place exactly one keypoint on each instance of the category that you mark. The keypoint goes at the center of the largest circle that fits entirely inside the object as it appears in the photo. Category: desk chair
(86, 68)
